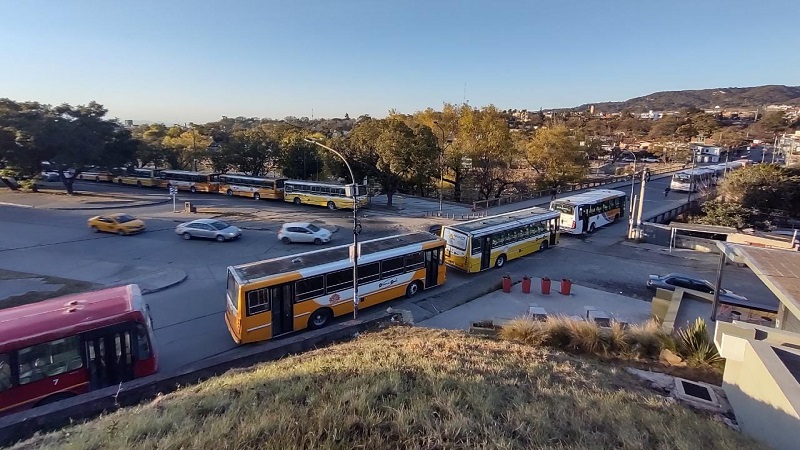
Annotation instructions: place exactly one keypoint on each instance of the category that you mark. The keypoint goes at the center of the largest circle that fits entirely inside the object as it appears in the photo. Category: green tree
(486, 140)
(300, 159)
(703, 123)
(186, 147)
(556, 157)
(724, 214)
(763, 187)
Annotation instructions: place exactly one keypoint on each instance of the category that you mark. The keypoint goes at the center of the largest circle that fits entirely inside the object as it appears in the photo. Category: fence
(505, 200)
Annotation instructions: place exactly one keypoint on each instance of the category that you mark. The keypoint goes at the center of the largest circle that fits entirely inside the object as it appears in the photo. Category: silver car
(303, 232)
(208, 229)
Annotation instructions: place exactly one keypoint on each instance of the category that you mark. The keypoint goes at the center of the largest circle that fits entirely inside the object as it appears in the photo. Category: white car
(303, 232)
(650, 160)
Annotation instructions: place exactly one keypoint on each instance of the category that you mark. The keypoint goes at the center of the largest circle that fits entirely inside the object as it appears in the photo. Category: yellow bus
(480, 244)
(277, 296)
(322, 194)
(253, 187)
(140, 177)
(95, 175)
(190, 181)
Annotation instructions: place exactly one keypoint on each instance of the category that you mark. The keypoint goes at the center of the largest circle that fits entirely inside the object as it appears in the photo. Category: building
(708, 153)
(789, 146)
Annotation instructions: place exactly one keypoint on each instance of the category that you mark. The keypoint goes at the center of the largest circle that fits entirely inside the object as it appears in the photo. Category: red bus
(62, 347)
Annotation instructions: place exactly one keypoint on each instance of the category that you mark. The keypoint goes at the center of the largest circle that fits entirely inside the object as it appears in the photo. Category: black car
(672, 280)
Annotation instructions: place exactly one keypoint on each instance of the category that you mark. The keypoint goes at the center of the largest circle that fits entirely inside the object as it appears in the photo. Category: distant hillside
(704, 99)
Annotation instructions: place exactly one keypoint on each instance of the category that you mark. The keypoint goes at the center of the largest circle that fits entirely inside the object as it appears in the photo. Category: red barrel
(506, 284)
(546, 286)
(566, 285)
(526, 285)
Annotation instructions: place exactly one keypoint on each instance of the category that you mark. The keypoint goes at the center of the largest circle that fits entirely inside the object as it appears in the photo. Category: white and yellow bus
(480, 244)
(277, 296)
(94, 174)
(190, 181)
(330, 195)
(587, 211)
(253, 187)
(140, 177)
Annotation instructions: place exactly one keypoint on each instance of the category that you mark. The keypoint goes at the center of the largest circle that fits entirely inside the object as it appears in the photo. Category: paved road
(188, 317)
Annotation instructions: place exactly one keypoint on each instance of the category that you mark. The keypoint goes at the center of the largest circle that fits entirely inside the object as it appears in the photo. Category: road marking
(16, 204)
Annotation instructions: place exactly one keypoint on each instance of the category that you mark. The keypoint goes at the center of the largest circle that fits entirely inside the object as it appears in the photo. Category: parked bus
(190, 181)
(62, 347)
(323, 194)
(277, 296)
(691, 180)
(479, 244)
(587, 211)
(140, 177)
(95, 174)
(253, 187)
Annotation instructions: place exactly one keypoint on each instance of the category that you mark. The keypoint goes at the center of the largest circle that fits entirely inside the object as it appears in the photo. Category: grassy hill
(748, 97)
(409, 388)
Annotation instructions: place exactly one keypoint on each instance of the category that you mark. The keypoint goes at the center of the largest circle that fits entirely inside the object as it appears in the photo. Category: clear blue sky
(181, 61)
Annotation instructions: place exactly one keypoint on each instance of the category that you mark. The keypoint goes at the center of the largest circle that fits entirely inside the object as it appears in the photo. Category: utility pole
(718, 286)
(641, 199)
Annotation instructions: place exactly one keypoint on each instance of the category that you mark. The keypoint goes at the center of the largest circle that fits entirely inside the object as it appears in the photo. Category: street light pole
(441, 165)
(356, 225)
(633, 182)
(691, 179)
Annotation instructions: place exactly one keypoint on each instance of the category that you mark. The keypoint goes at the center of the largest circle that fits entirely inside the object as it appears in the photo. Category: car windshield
(125, 218)
(219, 225)
(312, 227)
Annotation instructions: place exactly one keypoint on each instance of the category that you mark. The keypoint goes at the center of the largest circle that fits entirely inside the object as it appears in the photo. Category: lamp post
(356, 225)
(441, 163)
(633, 182)
(691, 179)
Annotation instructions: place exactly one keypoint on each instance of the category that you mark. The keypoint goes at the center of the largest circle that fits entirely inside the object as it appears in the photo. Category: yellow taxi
(121, 224)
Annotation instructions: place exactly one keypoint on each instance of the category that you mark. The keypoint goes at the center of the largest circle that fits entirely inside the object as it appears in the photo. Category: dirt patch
(66, 287)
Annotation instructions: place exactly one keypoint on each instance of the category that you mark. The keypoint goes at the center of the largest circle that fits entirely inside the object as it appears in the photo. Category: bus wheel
(591, 228)
(230, 193)
(192, 189)
(138, 184)
(257, 196)
(96, 179)
(501, 261)
(616, 217)
(413, 289)
(119, 180)
(55, 398)
(297, 200)
(319, 318)
(331, 206)
(544, 246)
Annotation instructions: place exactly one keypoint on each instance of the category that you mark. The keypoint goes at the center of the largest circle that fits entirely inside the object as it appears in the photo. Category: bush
(524, 331)
(695, 346)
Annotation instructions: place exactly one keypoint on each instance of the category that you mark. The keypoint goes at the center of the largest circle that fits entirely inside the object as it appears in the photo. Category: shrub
(585, 337)
(646, 340)
(525, 331)
(557, 332)
(695, 346)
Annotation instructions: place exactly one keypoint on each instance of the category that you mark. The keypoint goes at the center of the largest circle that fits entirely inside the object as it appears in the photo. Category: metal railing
(480, 205)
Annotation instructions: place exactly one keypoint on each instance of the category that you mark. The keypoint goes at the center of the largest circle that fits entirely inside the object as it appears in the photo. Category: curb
(97, 208)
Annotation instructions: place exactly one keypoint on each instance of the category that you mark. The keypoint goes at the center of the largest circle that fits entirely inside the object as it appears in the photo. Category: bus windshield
(682, 176)
(564, 208)
(455, 239)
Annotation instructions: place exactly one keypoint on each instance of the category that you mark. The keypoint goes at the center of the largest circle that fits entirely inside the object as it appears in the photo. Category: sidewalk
(500, 305)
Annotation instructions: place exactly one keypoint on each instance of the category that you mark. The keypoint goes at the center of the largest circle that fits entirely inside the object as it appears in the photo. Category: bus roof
(255, 271)
(187, 172)
(590, 197)
(248, 177)
(44, 321)
(509, 218)
(315, 183)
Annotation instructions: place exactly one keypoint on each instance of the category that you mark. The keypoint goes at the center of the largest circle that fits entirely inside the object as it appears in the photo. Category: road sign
(173, 191)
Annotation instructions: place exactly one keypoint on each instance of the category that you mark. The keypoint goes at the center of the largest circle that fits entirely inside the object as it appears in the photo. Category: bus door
(486, 252)
(282, 299)
(109, 356)
(553, 231)
(432, 258)
(583, 213)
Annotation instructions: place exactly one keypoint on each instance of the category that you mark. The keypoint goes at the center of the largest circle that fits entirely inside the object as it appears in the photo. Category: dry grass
(409, 388)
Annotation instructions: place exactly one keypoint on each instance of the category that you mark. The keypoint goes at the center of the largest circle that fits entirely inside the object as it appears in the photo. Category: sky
(196, 61)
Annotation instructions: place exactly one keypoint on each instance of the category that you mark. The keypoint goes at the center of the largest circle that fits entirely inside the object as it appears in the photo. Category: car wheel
(95, 229)
(220, 238)
(229, 192)
(331, 206)
(413, 289)
(297, 200)
(257, 196)
(192, 189)
(591, 228)
(138, 184)
(500, 262)
(186, 236)
(318, 241)
(286, 240)
(319, 318)
(119, 180)
(121, 232)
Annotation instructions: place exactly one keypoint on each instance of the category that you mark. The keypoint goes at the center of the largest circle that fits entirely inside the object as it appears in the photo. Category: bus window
(391, 267)
(368, 273)
(339, 280)
(49, 359)
(309, 287)
(257, 301)
(5, 372)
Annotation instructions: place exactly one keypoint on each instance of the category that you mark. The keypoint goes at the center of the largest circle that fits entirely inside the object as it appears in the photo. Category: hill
(408, 388)
(748, 97)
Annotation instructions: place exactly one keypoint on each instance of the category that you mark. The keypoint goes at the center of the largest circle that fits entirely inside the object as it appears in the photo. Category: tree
(555, 156)
(724, 214)
(664, 128)
(763, 187)
(300, 159)
(186, 147)
(771, 123)
(703, 123)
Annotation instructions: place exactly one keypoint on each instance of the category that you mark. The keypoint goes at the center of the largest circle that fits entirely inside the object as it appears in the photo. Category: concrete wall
(764, 394)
